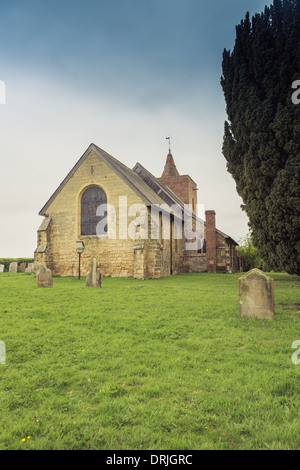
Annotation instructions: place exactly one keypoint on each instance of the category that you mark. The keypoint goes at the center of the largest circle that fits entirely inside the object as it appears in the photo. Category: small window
(90, 200)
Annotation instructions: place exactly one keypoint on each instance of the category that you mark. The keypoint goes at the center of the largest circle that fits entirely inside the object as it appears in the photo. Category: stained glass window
(90, 200)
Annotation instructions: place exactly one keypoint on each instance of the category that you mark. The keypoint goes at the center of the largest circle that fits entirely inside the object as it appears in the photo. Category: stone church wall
(115, 256)
(140, 258)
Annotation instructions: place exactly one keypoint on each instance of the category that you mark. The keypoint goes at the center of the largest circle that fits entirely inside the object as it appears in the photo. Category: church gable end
(69, 224)
(98, 180)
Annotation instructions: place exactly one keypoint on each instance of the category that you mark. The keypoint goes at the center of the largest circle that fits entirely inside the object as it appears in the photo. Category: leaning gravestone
(44, 277)
(256, 295)
(13, 267)
(2, 268)
(93, 278)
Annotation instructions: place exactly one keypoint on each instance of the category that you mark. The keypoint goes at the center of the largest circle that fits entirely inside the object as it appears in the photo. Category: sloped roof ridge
(160, 184)
(132, 179)
(175, 197)
(165, 188)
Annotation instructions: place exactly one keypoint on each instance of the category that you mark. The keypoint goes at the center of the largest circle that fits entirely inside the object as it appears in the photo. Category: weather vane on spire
(169, 139)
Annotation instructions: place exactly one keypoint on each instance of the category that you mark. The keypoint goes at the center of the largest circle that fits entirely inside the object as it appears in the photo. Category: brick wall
(211, 252)
(184, 187)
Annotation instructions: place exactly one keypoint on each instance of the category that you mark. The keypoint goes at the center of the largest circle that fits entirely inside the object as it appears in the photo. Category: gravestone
(44, 277)
(30, 268)
(22, 267)
(256, 295)
(93, 278)
(2, 268)
(13, 267)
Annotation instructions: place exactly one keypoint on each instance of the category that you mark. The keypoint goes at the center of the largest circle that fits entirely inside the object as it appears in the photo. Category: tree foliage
(249, 254)
(262, 134)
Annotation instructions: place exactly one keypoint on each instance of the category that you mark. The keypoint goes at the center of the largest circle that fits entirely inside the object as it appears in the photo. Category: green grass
(156, 365)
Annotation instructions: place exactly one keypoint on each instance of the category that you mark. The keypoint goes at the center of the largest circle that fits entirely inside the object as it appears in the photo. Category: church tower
(182, 185)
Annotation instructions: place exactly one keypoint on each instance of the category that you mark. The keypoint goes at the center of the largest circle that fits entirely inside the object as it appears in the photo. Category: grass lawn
(156, 365)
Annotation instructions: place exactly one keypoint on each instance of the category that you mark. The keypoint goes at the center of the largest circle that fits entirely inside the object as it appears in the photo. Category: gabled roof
(167, 194)
(141, 181)
(161, 189)
(131, 178)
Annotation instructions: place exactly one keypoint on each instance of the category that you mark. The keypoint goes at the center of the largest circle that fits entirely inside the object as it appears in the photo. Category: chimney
(211, 241)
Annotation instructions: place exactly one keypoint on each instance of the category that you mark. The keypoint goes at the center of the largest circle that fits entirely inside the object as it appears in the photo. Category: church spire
(170, 167)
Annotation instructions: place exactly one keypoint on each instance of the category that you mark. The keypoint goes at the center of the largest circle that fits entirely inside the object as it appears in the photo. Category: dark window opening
(91, 199)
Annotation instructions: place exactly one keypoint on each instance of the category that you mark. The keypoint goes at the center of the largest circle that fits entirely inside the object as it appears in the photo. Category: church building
(133, 223)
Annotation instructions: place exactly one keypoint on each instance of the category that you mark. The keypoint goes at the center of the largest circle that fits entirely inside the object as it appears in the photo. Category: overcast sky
(123, 74)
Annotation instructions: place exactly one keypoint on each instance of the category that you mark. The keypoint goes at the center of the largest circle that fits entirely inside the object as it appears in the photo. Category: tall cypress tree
(262, 134)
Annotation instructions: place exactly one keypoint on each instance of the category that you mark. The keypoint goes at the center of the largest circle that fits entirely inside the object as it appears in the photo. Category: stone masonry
(120, 257)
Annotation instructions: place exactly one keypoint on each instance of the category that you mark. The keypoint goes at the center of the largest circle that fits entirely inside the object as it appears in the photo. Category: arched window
(90, 200)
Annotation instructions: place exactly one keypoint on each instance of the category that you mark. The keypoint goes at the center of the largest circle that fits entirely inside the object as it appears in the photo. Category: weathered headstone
(256, 295)
(30, 268)
(13, 267)
(2, 268)
(22, 267)
(93, 278)
(44, 277)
